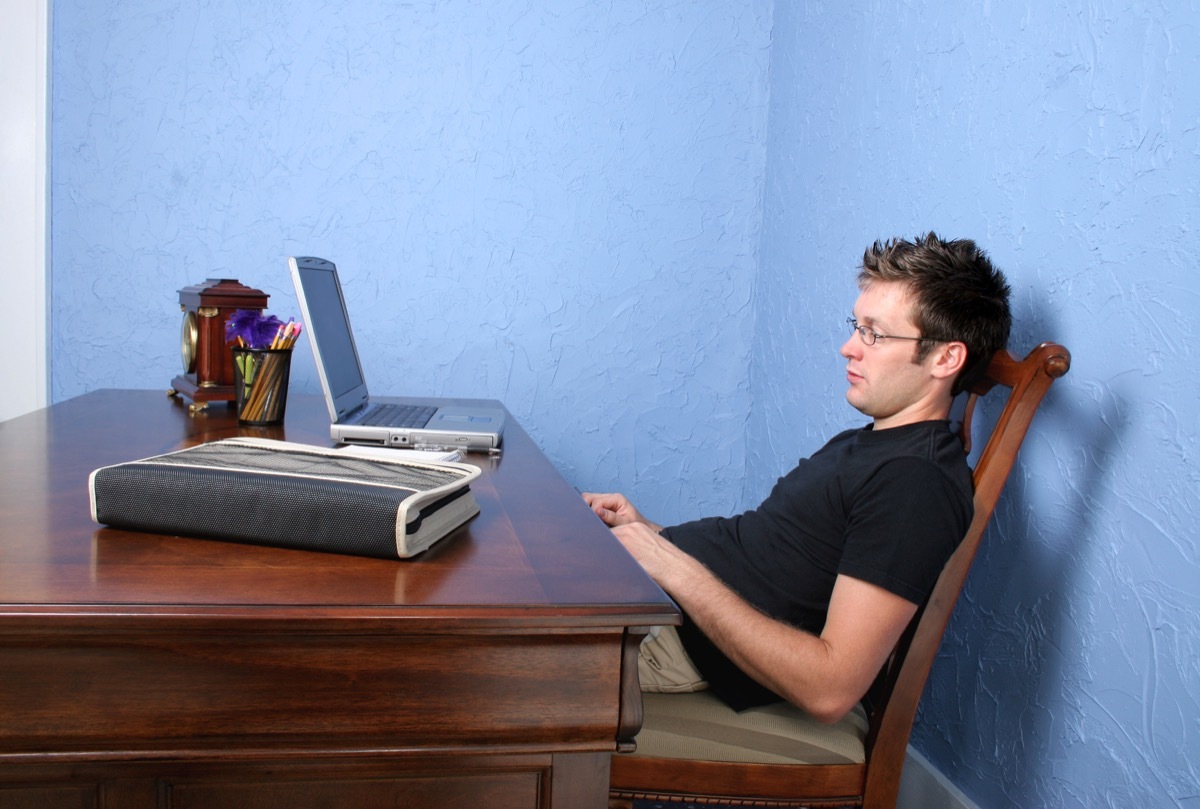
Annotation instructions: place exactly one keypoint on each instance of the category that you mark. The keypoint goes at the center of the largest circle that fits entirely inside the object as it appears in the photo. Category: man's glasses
(869, 336)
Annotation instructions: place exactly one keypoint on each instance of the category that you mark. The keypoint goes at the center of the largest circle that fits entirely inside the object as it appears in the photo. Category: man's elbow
(828, 709)
(833, 714)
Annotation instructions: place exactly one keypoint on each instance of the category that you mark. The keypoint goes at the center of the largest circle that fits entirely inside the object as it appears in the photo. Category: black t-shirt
(887, 507)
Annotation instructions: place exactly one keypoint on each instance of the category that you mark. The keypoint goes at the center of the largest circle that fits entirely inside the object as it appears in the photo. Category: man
(805, 597)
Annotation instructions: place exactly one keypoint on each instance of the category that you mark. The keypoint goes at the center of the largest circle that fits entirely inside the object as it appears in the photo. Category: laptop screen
(330, 326)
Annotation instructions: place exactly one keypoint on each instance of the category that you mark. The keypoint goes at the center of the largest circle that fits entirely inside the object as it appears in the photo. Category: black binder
(279, 493)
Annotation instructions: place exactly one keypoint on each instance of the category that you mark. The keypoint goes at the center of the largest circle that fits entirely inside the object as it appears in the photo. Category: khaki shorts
(664, 665)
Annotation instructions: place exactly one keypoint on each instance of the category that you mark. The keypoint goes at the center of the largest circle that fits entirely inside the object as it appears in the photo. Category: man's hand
(615, 509)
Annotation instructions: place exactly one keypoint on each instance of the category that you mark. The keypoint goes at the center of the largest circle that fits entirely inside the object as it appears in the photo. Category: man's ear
(949, 359)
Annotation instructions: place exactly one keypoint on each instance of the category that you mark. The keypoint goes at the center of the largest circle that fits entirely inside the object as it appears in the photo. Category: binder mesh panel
(224, 504)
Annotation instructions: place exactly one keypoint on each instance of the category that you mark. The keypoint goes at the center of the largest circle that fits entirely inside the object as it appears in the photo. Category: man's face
(885, 383)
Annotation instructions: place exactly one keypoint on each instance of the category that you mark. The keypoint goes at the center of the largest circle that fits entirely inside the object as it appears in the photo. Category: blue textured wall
(1065, 137)
(586, 212)
(539, 206)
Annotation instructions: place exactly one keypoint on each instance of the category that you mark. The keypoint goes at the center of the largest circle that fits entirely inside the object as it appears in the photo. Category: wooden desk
(495, 670)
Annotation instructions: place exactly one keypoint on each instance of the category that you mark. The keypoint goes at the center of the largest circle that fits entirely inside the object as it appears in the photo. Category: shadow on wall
(1001, 662)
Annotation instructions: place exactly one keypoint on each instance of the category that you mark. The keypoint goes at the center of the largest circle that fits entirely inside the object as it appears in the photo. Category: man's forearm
(825, 675)
(791, 662)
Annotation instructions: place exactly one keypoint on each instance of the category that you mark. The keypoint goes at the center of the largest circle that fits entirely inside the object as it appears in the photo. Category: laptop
(354, 417)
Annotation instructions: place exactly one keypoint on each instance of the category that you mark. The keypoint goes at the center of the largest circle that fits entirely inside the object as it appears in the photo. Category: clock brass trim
(188, 338)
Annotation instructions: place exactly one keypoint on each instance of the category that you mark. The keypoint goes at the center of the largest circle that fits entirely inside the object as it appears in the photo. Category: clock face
(188, 337)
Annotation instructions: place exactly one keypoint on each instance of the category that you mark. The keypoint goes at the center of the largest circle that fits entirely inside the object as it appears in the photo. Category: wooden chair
(874, 783)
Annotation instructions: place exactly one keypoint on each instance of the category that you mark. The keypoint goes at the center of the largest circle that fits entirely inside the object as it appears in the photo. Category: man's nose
(852, 347)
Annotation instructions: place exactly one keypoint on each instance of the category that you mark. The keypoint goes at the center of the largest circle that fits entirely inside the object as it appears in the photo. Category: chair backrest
(894, 698)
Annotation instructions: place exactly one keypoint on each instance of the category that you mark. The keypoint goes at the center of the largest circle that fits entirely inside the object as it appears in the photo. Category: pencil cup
(260, 380)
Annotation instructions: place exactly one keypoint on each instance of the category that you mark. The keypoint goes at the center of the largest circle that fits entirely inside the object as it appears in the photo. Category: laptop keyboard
(398, 415)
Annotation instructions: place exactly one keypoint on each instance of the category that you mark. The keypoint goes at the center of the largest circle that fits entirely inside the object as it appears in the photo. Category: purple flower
(254, 328)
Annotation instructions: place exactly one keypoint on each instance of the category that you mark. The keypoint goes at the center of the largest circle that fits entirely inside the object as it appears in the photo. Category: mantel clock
(207, 359)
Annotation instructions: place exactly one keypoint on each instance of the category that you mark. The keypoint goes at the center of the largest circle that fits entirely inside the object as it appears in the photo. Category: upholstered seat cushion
(699, 726)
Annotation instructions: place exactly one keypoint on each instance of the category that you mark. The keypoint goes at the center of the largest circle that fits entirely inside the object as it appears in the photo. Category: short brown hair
(958, 294)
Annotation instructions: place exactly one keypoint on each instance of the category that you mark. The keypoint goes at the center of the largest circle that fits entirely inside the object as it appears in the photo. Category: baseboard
(923, 787)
